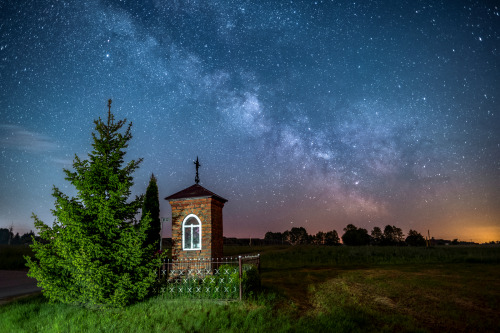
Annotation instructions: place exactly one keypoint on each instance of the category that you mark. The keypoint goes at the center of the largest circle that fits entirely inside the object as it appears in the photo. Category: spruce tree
(94, 253)
(151, 208)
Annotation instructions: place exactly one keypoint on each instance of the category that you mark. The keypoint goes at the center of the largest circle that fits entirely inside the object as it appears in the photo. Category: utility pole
(11, 228)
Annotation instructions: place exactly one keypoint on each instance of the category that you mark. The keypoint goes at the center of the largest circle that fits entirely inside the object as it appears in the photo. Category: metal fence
(205, 278)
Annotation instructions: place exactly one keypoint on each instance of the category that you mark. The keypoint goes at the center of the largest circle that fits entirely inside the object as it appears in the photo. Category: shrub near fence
(225, 278)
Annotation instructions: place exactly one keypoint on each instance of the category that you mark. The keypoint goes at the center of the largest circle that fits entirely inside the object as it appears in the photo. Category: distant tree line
(8, 237)
(353, 236)
(391, 236)
(299, 235)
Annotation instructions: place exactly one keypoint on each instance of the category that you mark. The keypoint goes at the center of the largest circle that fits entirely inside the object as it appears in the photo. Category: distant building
(196, 223)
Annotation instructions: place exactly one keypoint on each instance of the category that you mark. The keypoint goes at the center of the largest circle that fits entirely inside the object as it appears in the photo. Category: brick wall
(209, 211)
(217, 229)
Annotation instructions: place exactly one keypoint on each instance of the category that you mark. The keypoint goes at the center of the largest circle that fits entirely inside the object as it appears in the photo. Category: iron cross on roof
(198, 165)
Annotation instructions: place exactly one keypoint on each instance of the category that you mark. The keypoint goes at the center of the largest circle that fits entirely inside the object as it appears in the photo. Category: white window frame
(190, 227)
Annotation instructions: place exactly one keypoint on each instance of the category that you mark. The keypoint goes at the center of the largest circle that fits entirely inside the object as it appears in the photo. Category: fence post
(258, 263)
(241, 271)
(161, 269)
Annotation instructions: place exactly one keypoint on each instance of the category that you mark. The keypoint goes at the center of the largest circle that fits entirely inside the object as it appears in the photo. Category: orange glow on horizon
(466, 231)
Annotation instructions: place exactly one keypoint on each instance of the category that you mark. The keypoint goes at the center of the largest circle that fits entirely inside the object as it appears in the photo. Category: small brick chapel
(196, 222)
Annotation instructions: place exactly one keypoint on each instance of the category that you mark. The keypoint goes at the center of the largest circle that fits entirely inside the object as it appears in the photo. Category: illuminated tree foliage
(94, 253)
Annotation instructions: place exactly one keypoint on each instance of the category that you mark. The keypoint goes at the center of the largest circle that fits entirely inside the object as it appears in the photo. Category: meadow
(311, 289)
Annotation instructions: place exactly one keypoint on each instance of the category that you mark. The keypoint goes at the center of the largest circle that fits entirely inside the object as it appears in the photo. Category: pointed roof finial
(198, 165)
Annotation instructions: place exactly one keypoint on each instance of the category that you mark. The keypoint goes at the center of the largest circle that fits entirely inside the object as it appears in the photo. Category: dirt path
(14, 284)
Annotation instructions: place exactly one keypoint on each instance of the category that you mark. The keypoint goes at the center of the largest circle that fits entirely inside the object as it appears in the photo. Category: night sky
(303, 113)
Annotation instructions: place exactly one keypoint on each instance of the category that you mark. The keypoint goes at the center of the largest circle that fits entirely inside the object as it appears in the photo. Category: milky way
(303, 113)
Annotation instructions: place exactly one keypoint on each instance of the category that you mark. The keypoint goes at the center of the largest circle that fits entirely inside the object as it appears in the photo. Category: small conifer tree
(94, 253)
(151, 208)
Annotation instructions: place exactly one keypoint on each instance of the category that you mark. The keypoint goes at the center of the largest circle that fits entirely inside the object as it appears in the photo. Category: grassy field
(311, 289)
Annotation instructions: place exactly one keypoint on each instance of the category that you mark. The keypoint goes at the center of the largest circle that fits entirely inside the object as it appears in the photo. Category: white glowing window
(191, 233)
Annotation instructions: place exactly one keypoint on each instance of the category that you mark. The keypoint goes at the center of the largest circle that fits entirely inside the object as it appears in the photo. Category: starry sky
(303, 113)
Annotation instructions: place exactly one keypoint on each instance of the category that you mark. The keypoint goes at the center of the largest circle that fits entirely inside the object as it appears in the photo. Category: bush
(251, 279)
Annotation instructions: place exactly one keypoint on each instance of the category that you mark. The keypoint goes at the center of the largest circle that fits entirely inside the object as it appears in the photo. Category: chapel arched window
(191, 233)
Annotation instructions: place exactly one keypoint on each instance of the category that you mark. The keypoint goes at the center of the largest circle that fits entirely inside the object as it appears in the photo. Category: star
(334, 113)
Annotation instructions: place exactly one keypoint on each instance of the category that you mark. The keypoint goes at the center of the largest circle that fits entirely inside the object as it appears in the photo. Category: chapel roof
(195, 191)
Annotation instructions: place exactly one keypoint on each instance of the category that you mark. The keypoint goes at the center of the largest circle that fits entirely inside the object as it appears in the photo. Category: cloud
(18, 138)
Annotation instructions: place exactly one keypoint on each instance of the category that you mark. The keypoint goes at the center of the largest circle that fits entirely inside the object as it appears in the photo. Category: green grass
(311, 289)
(446, 297)
(154, 315)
